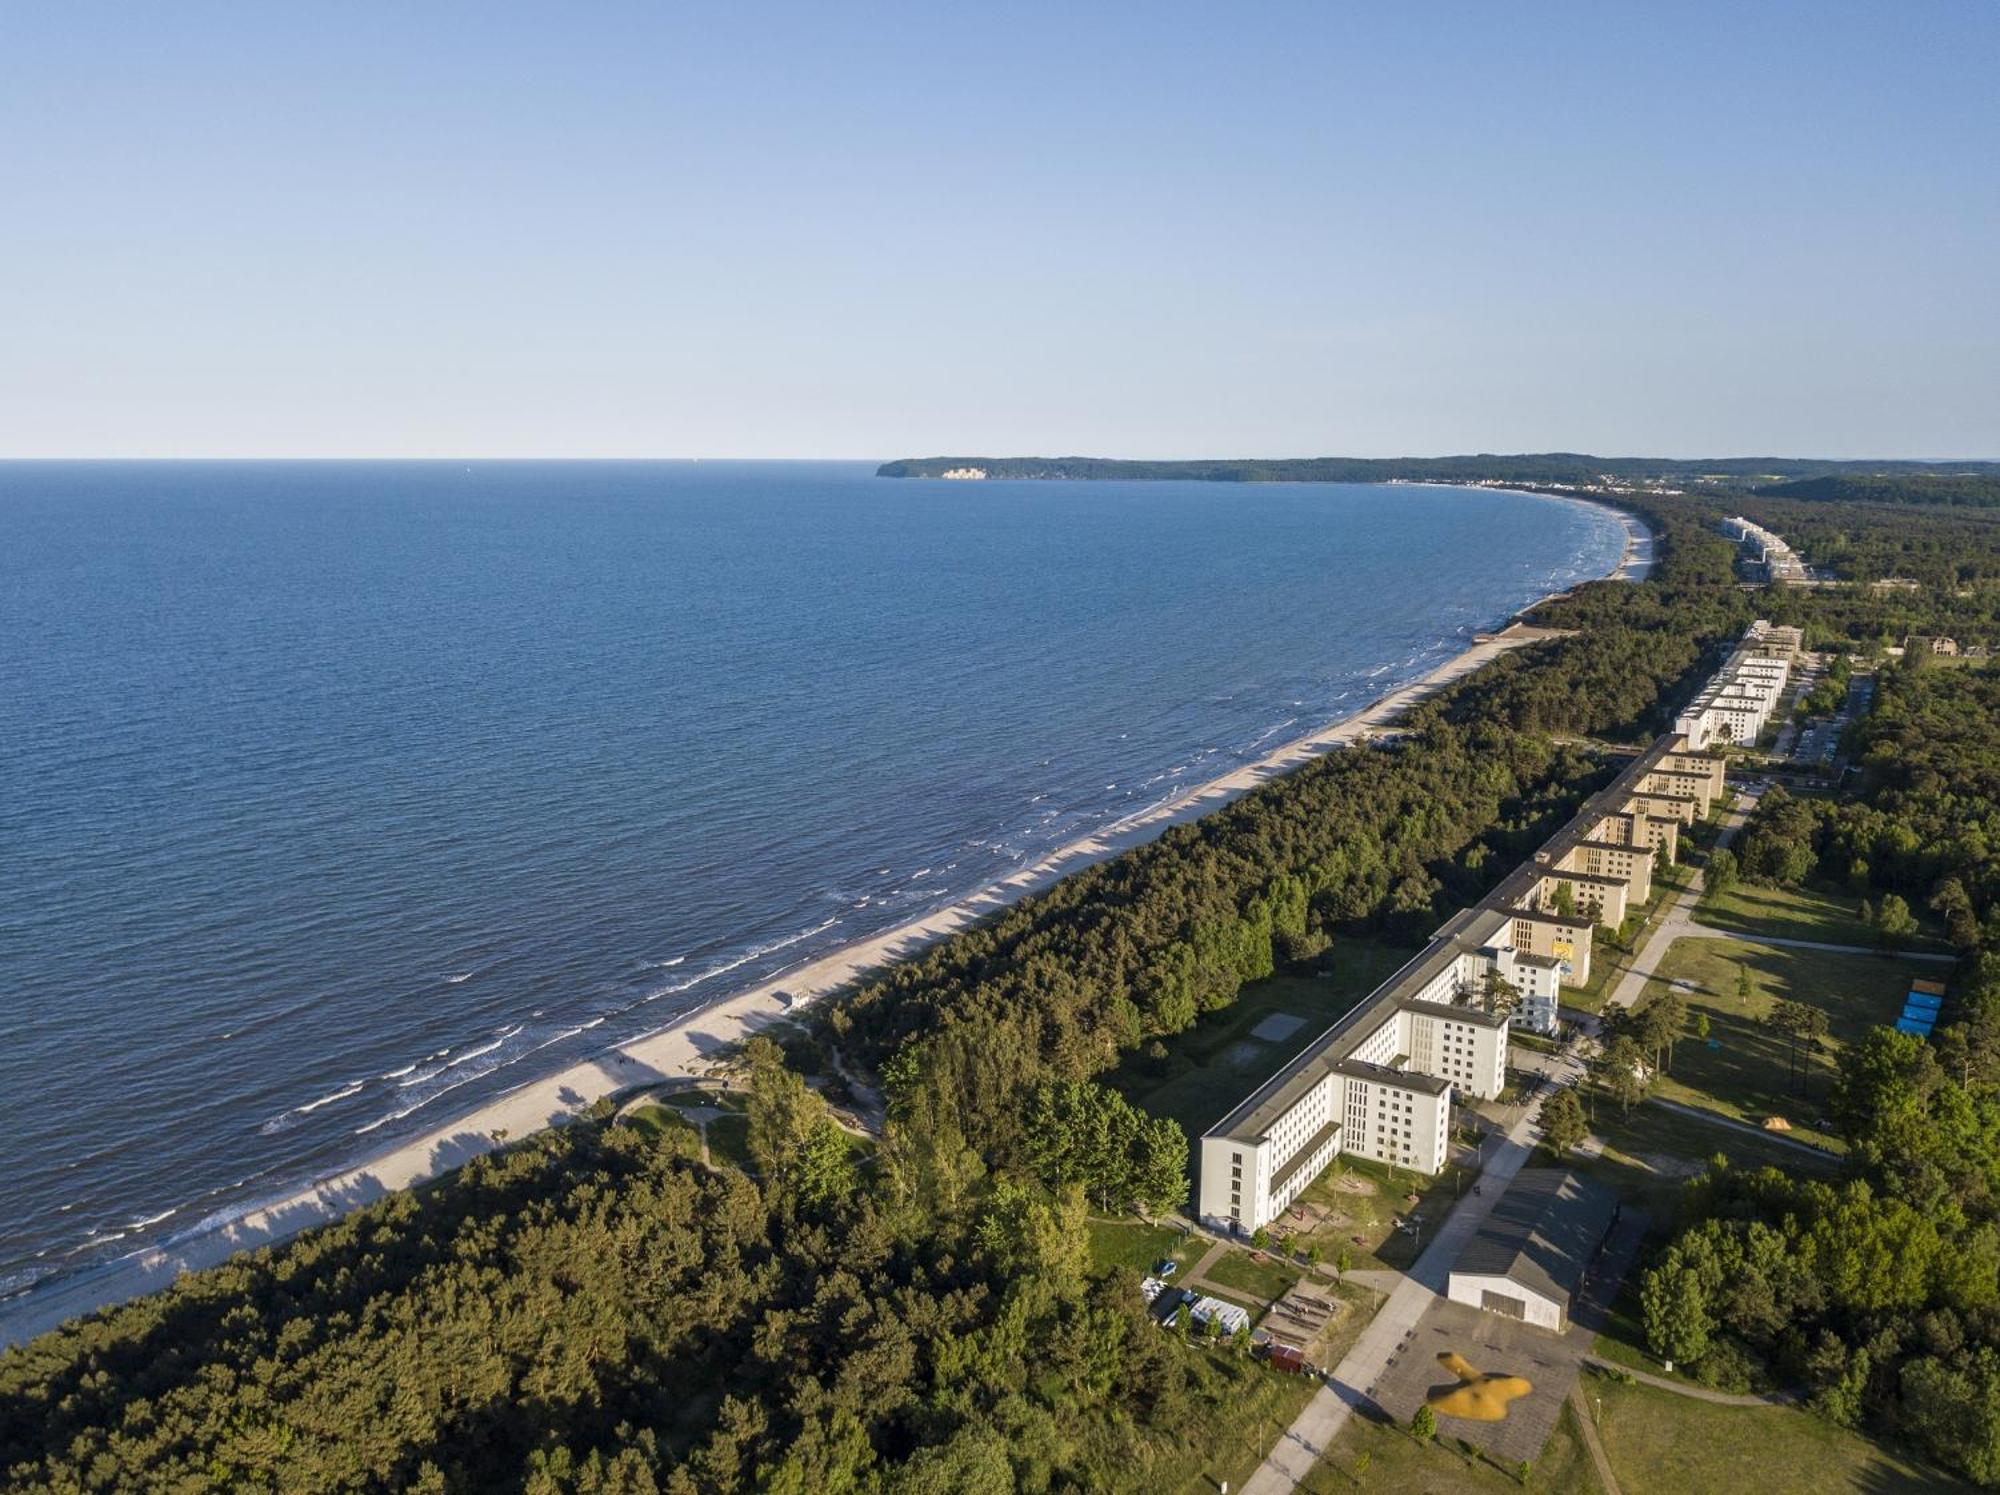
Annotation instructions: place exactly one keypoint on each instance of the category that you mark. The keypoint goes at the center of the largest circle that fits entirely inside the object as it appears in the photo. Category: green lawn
(1648, 1155)
(1660, 1443)
(729, 1141)
(1397, 1462)
(1135, 1244)
(657, 1122)
(1743, 1070)
(1216, 1063)
(1786, 913)
(1266, 1281)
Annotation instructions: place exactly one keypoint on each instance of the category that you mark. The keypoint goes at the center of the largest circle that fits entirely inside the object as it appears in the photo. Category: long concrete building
(1738, 702)
(1380, 1082)
(1768, 554)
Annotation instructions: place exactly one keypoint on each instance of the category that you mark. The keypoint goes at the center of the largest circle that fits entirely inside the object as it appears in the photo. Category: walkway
(1710, 932)
(1716, 1118)
(1295, 1453)
(1590, 1441)
(1697, 1393)
(1679, 919)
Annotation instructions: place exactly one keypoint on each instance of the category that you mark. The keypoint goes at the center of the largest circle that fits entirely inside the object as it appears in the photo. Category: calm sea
(335, 798)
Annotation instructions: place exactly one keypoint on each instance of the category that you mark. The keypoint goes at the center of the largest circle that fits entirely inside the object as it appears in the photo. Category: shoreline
(689, 1044)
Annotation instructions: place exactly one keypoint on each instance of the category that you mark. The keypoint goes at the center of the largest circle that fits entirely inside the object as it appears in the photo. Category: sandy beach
(690, 1044)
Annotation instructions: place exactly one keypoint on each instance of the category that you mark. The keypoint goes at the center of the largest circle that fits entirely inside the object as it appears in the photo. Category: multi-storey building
(1380, 1082)
(1768, 555)
(1738, 701)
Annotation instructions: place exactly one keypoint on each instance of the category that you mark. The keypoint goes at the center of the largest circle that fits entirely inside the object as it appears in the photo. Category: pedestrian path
(1591, 1442)
(1701, 931)
(1302, 1445)
(1679, 919)
(1716, 1118)
(1697, 1393)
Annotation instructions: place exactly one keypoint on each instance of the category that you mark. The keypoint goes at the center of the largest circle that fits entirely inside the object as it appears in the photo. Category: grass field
(1217, 1062)
(1229, 1435)
(729, 1141)
(1366, 1200)
(1135, 1244)
(1648, 1155)
(656, 1122)
(1608, 963)
(1267, 1280)
(1742, 1070)
(1370, 1455)
(1808, 914)
(1787, 914)
(1660, 1443)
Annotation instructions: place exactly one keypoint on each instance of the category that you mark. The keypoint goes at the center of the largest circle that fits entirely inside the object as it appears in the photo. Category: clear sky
(604, 229)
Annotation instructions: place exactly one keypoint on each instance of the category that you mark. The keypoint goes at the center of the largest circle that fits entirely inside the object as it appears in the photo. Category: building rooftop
(1479, 1017)
(1542, 1233)
(1401, 1079)
(1465, 932)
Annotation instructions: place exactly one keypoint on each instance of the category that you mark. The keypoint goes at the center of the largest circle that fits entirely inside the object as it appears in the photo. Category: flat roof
(1465, 932)
(1399, 1079)
(1597, 877)
(1479, 1017)
(1627, 847)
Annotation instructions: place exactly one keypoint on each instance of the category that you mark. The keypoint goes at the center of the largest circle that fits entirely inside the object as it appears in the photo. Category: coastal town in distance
(913, 749)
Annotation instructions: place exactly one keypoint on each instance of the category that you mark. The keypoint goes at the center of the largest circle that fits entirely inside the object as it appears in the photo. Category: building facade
(1738, 702)
(1380, 1083)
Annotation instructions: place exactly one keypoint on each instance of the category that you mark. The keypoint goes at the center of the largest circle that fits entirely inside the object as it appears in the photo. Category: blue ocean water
(336, 798)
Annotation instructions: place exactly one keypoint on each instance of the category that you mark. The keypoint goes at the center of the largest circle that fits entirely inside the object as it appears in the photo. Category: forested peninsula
(769, 1305)
(1949, 478)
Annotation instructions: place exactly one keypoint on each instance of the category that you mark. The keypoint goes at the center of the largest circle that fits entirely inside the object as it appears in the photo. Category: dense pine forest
(1531, 467)
(598, 1309)
(1880, 1294)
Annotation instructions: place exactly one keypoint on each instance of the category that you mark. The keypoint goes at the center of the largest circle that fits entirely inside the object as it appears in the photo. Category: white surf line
(690, 1044)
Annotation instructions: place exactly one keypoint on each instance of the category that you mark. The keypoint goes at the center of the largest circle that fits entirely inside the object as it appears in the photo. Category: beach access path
(692, 1044)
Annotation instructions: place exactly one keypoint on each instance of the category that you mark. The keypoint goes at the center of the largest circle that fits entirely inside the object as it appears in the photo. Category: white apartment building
(1738, 702)
(1766, 551)
(1380, 1082)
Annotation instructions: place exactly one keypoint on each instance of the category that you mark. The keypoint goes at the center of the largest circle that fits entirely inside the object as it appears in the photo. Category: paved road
(1679, 919)
(1292, 1458)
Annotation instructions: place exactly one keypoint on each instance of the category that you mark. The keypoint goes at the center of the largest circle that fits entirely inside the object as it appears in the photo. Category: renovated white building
(1738, 702)
(1380, 1082)
(1765, 551)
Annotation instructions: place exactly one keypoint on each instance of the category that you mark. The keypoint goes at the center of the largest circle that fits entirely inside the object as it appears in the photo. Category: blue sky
(603, 229)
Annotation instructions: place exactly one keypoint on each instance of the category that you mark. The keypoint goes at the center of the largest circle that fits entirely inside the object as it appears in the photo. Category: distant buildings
(964, 474)
(1738, 702)
(1765, 552)
(1379, 1083)
(1943, 648)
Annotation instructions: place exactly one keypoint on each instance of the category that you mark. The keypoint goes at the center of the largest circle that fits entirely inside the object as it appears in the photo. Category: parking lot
(1504, 1346)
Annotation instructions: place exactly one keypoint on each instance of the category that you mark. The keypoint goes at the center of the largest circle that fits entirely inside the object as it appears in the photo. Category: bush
(1728, 1367)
